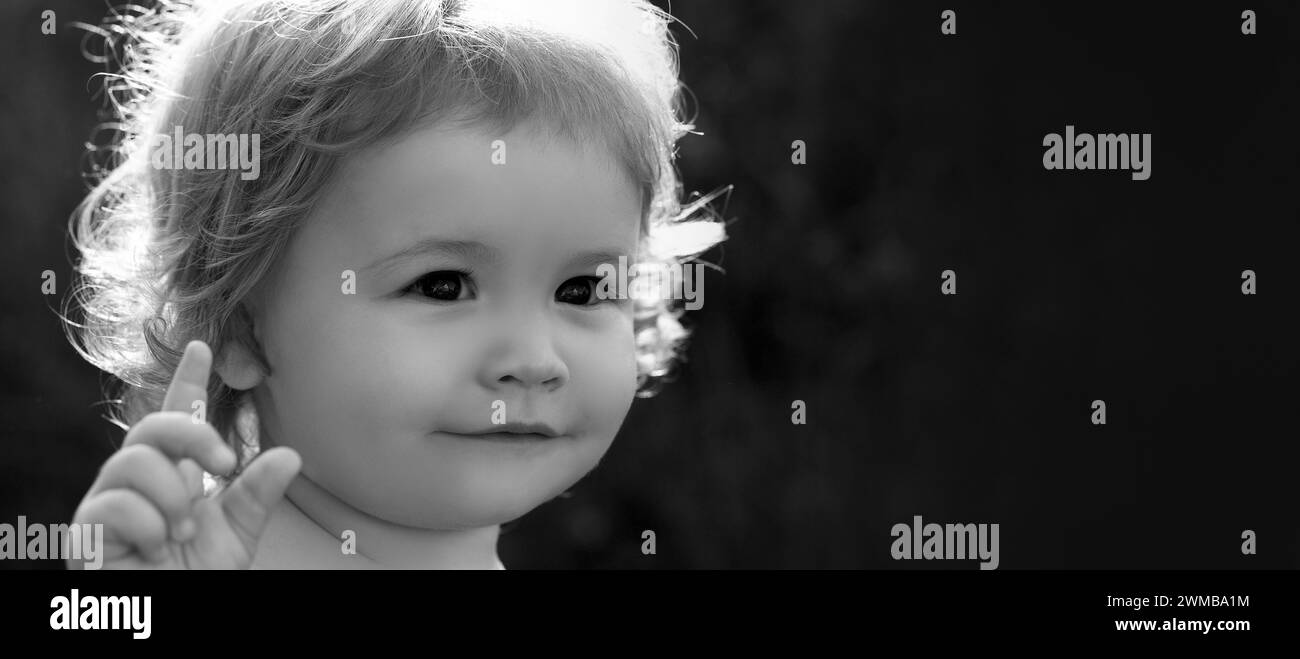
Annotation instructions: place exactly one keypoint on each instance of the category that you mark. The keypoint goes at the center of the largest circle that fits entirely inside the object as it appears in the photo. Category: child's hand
(149, 495)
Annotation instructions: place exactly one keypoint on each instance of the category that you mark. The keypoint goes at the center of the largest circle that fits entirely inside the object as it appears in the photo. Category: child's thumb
(248, 501)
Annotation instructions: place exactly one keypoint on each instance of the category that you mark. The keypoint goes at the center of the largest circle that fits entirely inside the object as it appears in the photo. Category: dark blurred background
(923, 154)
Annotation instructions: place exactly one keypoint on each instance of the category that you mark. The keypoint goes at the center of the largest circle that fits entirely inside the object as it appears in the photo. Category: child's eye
(579, 290)
(443, 285)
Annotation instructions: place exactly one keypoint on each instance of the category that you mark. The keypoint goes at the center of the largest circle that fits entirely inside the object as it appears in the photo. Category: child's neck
(384, 543)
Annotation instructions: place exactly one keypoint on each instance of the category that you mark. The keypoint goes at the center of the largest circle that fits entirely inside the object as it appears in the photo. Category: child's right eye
(443, 285)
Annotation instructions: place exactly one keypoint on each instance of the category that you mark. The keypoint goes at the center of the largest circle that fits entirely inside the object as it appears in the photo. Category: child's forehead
(469, 131)
(517, 187)
(478, 158)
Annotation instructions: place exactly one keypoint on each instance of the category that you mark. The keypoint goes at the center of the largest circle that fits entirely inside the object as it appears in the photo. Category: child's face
(378, 390)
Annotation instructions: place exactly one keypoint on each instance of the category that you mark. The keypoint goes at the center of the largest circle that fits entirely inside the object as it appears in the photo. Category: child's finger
(178, 436)
(190, 382)
(151, 474)
(128, 519)
(248, 501)
(193, 475)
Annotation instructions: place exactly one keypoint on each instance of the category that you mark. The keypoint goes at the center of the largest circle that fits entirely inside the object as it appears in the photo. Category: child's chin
(473, 490)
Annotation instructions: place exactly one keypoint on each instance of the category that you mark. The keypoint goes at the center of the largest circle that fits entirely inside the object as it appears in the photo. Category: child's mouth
(511, 432)
(509, 437)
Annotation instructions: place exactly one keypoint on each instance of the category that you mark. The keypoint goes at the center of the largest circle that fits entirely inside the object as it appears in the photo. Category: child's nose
(527, 360)
(540, 376)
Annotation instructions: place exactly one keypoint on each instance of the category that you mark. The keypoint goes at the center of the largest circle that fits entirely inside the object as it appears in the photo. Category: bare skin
(149, 495)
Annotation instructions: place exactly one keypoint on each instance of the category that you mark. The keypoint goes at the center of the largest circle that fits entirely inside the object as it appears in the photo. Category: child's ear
(237, 367)
(238, 364)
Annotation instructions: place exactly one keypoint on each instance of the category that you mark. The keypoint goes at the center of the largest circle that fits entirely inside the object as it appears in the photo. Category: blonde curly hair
(168, 255)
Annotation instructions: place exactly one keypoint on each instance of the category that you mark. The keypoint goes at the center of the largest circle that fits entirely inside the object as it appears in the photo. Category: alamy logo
(650, 281)
(946, 542)
(1107, 151)
(68, 542)
(212, 151)
(102, 612)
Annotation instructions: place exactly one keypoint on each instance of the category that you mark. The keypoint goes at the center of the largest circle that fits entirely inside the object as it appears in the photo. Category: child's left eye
(580, 291)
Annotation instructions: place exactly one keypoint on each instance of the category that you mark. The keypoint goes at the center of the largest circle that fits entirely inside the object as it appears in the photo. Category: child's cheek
(399, 371)
(605, 380)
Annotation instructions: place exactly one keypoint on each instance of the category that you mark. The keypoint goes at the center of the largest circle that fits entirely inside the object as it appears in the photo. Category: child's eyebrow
(590, 260)
(469, 250)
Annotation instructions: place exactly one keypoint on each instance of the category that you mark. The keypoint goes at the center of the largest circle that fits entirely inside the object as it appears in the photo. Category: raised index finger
(190, 382)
